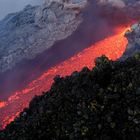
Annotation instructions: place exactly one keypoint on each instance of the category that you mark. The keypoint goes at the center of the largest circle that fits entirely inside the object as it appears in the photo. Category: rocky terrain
(28, 33)
(36, 28)
(102, 103)
(133, 37)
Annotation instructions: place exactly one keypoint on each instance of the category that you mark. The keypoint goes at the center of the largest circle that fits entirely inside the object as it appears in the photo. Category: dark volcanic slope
(101, 104)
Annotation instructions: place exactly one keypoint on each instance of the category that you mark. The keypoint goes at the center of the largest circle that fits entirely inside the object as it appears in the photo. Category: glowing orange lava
(113, 47)
(2, 104)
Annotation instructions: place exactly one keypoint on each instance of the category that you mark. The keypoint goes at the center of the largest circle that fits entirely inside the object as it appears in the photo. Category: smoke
(120, 11)
(95, 27)
(100, 20)
(120, 3)
(114, 3)
(10, 6)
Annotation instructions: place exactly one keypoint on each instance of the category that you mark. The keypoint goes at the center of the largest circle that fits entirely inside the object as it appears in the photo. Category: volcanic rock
(133, 36)
(29, 32)
(100, 104)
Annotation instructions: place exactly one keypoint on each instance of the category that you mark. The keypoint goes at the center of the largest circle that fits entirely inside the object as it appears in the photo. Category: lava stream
(2, 104)
(113, 47)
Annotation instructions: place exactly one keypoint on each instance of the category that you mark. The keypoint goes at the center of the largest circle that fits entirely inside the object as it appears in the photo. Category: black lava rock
(99, 104)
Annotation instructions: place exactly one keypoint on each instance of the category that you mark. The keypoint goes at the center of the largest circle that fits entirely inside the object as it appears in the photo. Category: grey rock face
(133, 37)
(25, 34)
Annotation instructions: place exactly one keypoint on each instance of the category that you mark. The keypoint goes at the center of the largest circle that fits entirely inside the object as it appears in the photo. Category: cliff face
(103, 103)
(29, 32)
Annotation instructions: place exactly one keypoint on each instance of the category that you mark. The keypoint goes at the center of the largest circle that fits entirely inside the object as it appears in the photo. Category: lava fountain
(113, 47)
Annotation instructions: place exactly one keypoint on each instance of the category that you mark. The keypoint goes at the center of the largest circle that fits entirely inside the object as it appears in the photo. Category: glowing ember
(113, 47)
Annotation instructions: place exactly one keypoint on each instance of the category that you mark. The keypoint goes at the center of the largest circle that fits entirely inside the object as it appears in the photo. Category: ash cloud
(92, 29)
(114, 3)
(119, 3)
(120, 11)
(99, 19)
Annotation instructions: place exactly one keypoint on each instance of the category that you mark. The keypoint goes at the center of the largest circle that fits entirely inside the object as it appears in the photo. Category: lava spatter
(113, 47)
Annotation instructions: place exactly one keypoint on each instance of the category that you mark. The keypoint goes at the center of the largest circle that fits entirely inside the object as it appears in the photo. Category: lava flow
(113, 47)
(2, 104)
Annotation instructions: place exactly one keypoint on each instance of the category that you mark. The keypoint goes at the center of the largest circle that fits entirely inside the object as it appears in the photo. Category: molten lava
(113, 47)
(2, 104)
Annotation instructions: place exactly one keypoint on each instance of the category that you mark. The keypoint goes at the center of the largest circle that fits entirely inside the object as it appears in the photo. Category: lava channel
(113, 47)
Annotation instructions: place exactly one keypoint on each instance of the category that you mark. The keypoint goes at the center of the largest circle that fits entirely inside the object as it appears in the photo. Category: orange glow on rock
(113, 47)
